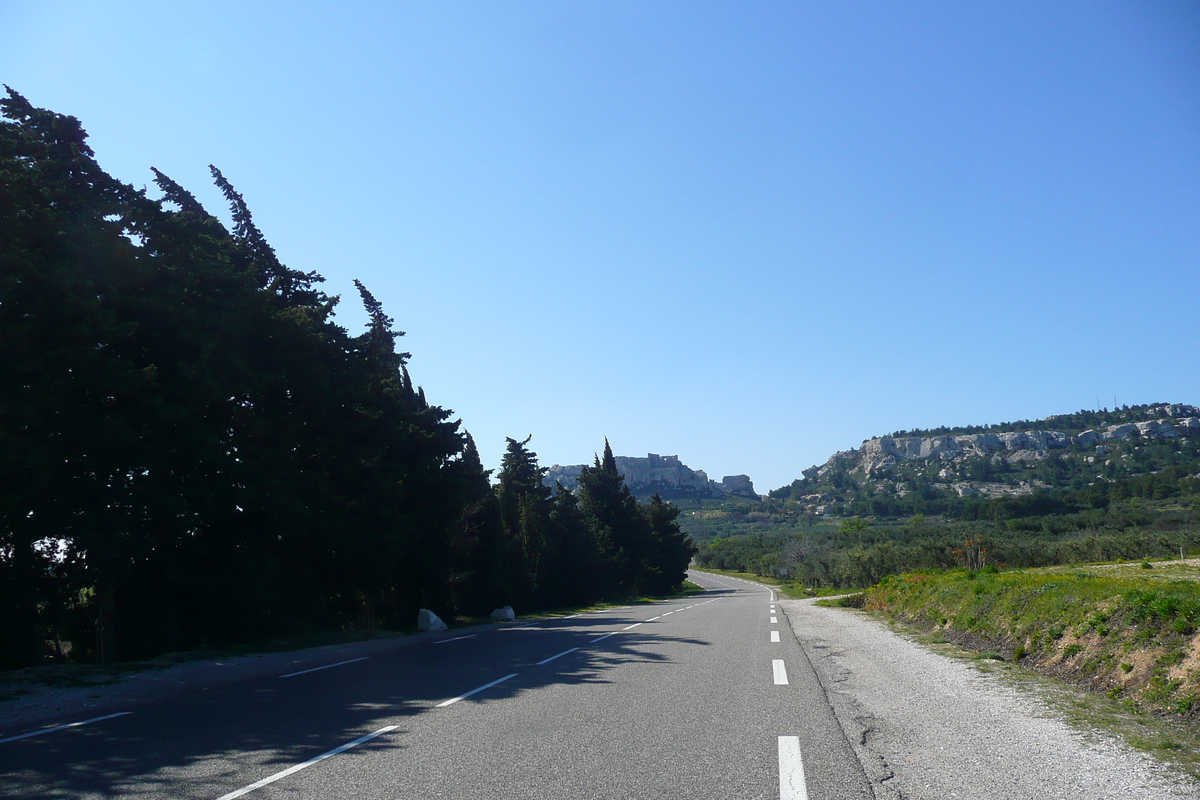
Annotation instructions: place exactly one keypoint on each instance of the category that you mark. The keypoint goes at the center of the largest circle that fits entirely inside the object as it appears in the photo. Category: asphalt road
(688, 698)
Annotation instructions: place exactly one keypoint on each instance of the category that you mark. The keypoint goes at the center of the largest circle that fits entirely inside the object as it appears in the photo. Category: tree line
(848, 556)
(197, 454)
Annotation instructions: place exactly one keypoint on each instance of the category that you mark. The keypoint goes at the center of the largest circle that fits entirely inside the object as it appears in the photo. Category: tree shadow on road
(214, 740)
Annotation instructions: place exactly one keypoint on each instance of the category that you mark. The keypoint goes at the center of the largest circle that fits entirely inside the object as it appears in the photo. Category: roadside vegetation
(1130, 631)
(854, 520)
(197, 456)
(857, 552)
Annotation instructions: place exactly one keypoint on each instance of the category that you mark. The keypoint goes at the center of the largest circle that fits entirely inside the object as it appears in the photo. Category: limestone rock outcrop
(739, 485)
(966, 464)
(877, 455)
(1154, 429)
(658, 473)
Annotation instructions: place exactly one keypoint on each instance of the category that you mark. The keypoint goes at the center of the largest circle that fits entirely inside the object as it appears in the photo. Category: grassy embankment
(1131, 631)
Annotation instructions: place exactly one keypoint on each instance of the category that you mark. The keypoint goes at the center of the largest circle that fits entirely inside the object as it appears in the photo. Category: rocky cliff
(876, 455)
(973, 463)
(666, 475)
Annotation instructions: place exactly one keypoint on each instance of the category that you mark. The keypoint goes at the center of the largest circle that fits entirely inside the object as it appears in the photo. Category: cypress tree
(614, 516)
(523, 499)
(193, 448)
(673, 550)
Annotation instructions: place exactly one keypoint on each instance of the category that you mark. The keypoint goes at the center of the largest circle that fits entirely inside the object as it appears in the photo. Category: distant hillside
(666, 476)
(1061, 464)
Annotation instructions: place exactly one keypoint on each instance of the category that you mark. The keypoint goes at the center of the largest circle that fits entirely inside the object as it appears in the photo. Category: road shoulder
(928, 726)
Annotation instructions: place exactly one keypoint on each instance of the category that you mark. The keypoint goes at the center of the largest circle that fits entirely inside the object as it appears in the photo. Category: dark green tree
(673, 550)
(616, 519)
(195, 452)
(524, 502)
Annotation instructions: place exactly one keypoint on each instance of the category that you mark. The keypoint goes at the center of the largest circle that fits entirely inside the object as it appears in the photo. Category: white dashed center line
(454, 700)
(327, 666)
(458, 638)
(791, 770)
(560, 655)
(774, 636)
(309, 763)
(63, 727)
(780, 671)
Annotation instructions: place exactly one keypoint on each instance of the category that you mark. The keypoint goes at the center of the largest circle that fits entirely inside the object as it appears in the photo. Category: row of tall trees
(546, 547)
(196, 453)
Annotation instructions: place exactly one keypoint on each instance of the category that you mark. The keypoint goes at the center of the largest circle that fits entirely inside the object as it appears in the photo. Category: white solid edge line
(774, 636)
(605, 636)
(457, 638)
(560, 655)
(63, 727)
(454, 700)
(779, 670)
(791, 770)
(309, 763)
(327, 666)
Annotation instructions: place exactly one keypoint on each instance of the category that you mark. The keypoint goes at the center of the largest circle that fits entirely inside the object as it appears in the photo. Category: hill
(1068, 489)
(1060, 464)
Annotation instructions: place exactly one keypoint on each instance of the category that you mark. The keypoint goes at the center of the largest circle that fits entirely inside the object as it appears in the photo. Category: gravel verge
(931, 727)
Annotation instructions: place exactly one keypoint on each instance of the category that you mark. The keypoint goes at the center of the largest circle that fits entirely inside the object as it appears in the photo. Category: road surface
(705, 697)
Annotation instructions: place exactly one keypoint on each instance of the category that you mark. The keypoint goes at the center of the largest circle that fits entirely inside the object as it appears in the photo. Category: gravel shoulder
(37, 705)
(934, 727)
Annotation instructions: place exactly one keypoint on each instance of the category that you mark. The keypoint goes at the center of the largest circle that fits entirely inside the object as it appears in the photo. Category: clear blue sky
(747, 233)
